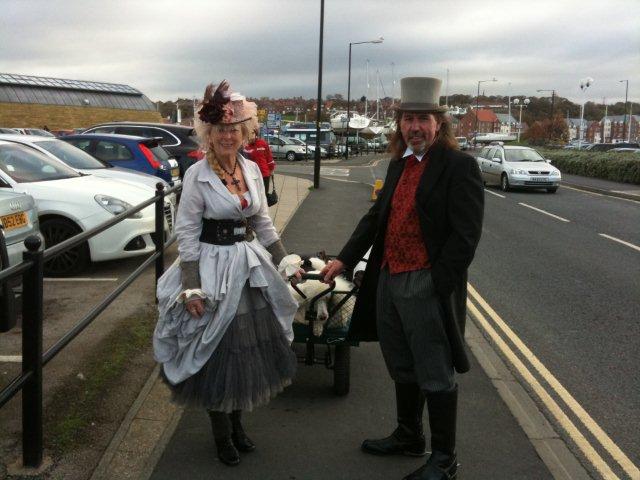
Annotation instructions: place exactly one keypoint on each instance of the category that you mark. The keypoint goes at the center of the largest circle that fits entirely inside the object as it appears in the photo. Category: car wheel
(291, 156)
(552, 190)
(504, 183)
(70, 262)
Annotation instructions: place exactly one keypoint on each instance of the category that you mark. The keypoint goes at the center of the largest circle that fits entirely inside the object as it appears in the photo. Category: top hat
(420, 94)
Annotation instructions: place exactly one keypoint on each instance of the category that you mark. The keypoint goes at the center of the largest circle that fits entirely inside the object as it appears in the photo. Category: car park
(69, 203)
(180, 141)
(84, 163)
(135, 153)
(284, 147)
(517, 167)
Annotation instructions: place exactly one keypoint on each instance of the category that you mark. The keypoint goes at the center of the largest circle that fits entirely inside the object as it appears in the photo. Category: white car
(517, 167)
(69, 203)
(84, 163)
(311, 148)
(283, 147)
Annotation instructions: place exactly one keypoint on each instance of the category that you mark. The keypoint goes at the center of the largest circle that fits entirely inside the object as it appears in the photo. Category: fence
(33, 359)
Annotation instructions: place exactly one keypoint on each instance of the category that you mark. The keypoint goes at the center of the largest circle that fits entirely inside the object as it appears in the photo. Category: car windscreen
(72, 156)
(524, 155)
(24, 164)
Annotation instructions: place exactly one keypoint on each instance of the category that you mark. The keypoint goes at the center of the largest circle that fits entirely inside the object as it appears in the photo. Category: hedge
(616, 166)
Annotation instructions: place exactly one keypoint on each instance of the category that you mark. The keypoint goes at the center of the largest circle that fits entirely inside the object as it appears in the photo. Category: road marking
(543, 211)
(335, 172)
(343, 180)
(600, 194)
(494, 193)
(635, 247)
(566, 397)
(79, 279)
(10, 358)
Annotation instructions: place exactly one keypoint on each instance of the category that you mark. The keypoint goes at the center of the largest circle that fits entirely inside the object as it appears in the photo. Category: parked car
(19, 219)
(8, 130)
(34, 131)
(69, 203)
(626, 150)
(135, 153)
(517, 167)
(285, 147)
(82, 162)
(180, 141)
(463, 143)
(311, 149)
(605, 147)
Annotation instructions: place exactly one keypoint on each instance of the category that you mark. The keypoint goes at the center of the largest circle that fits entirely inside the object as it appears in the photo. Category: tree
(547, 131)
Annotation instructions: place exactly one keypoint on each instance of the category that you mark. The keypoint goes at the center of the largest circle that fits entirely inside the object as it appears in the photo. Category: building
(487, 123)
(573, 124)
(508, 124)
(614, 129)
(36, 102)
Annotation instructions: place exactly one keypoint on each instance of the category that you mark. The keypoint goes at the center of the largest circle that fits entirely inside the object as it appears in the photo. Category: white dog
(311, 288)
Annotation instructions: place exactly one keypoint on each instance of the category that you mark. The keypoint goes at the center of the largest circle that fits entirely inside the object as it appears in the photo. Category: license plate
(15, 220)
(539, 179)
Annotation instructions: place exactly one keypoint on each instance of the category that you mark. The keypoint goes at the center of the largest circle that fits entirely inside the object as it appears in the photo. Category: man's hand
(196, 307)
(332, 270)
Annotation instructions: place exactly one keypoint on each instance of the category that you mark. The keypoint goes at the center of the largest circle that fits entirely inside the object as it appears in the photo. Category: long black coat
(450, 203)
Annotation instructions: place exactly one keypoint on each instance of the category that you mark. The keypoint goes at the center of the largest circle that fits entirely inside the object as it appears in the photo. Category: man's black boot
(221, 427)
(240, 439)
(408, 438)
(443, 462)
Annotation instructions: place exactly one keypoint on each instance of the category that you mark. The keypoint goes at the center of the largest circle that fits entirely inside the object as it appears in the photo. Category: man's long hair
(445, 137)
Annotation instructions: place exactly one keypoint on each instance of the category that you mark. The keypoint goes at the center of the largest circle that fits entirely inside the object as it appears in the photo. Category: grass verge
(76, 405)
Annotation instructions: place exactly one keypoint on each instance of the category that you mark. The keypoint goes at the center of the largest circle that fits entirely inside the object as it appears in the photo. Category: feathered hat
(224, 106)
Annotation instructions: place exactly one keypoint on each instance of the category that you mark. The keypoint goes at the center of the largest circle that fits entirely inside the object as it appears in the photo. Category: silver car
(19, 219)
(283, 147)
(517, 167)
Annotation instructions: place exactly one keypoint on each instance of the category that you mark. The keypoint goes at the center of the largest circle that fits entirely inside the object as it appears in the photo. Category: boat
(339, 121)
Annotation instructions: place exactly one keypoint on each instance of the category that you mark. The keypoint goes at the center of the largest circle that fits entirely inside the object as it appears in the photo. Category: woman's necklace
(234, 180)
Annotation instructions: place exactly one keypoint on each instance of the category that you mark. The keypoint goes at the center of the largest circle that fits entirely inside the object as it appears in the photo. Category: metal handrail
(33, 360)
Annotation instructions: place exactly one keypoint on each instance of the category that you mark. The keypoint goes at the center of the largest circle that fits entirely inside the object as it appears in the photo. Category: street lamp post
(517, 103)
(477, 98)
(316, 160)
(346, 144)
(624, 125)
(584, 84)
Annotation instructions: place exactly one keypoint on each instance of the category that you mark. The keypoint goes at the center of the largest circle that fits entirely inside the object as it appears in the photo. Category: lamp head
(526, 101)
(516, 101)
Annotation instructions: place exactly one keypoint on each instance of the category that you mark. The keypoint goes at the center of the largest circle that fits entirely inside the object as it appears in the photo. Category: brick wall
(56, 117)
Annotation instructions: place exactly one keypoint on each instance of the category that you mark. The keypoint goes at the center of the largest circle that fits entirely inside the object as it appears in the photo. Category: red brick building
(487, 123)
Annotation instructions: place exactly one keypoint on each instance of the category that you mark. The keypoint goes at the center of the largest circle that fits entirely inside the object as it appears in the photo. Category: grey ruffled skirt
(251, 365)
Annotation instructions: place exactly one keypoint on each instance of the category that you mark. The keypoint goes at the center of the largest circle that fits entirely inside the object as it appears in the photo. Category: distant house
(508, 124)
(573, 124)
(613, 128)
(487, 123)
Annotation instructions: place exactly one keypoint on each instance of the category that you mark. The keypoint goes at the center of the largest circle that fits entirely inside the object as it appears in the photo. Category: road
(563, 273)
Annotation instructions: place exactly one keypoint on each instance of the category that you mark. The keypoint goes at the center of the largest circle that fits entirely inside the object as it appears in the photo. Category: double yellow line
(552, 406)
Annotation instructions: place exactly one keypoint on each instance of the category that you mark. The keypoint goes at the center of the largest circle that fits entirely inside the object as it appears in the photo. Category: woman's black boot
(221, 427)
(240, 439)
(408, 437)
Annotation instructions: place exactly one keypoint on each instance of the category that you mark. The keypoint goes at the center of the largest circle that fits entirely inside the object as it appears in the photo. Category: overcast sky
(169, 49)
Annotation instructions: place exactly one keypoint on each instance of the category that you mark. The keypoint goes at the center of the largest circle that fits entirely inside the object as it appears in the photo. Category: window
(81, 144)
(110, 151)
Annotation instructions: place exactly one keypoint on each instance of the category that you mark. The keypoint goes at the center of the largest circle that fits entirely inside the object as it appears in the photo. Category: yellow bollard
(377, 186)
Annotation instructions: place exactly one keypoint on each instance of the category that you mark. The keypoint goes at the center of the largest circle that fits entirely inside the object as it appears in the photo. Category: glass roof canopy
(30, 81)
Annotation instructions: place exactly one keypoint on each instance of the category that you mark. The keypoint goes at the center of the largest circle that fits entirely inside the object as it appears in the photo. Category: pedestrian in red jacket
(258, 150)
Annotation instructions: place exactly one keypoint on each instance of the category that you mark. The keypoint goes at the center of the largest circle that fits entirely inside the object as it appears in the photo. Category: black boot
(443, 462)
(221, 426)
(408, 438)
(240, 439)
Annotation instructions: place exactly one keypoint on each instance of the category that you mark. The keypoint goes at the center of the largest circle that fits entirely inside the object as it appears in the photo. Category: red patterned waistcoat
(404, 248)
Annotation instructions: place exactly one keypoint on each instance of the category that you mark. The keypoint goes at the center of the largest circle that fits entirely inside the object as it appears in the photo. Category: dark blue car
(127, 151)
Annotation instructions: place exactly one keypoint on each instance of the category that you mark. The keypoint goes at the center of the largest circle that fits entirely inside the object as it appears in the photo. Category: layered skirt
(252, 363)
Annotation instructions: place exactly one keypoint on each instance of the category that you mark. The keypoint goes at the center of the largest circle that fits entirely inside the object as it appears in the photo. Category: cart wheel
(341, 369)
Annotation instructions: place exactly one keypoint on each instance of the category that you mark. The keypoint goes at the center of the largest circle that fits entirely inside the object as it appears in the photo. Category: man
(424, 227)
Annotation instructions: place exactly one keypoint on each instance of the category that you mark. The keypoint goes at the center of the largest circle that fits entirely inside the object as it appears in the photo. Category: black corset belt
(225, 232)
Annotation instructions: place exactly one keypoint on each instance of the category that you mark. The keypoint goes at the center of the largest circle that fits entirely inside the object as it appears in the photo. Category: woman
(258, 150)
(224, 331)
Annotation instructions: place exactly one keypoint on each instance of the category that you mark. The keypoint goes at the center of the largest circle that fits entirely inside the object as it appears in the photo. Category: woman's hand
(332, 270)
(196, 307)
